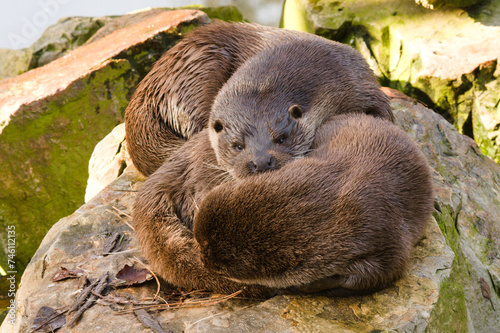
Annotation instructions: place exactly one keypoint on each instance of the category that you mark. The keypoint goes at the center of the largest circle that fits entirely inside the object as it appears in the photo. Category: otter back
(174, 101)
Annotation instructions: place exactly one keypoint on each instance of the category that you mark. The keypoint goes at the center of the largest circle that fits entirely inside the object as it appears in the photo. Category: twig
(110, 243)
(102, 283)
(121, 218)
(214, 315)
(154, 275)
(196, 304)
(122, 212)
(82, 296)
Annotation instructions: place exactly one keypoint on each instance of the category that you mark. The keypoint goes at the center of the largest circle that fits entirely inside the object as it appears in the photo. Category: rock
(226, 13)
(437, 4)
(66, 35)
(441, 293)
(53, 116)
(122, 22)
(108, 161)
(71, 32)
(13, 62)
(448, 59)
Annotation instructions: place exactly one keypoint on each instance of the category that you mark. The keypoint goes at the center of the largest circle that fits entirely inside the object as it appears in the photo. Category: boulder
(14, 62)
(452, 267)
(108, 161)
(71, 32)
(66, 35)
(448, 58)
(53, 116)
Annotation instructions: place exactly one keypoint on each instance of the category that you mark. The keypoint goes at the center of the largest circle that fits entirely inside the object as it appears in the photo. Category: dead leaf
(485, 290)
(395, 94)
(63, 273)
(48, 320)
(130, 275)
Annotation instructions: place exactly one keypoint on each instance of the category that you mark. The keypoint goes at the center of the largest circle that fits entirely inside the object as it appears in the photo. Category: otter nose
(262, 163)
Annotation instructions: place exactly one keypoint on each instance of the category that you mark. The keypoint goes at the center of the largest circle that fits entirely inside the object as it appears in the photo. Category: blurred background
(22, 22)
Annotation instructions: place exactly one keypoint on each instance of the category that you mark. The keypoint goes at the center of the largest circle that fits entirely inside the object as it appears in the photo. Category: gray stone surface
(66, 35)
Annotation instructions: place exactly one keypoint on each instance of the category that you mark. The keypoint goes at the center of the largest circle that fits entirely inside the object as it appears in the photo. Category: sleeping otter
(163, 213)
(345, 216)
(266, 111)
(237, 75)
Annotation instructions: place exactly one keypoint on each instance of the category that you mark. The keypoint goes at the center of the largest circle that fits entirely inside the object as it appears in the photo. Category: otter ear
(218, 126)
(295, 111)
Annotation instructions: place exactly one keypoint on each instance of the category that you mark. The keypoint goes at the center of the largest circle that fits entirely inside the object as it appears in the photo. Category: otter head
(251, 140)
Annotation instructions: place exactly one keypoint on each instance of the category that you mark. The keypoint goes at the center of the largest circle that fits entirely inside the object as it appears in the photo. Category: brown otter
(163, 213)
(238, 71)
(345, 216)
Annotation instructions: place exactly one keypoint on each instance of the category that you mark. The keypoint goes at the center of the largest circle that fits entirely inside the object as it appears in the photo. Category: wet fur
(174, 101)
(345, 216)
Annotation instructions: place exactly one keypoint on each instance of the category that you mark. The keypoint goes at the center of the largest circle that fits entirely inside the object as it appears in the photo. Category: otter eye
(238, 146)
(281, 139)
(295, 111)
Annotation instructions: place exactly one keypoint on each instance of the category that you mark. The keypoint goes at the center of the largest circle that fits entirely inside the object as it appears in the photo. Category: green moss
(450, 312)
(488, 146)
(225, 13)
(45, 151)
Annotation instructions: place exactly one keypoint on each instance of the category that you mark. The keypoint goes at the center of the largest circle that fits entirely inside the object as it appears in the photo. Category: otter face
(246, 146)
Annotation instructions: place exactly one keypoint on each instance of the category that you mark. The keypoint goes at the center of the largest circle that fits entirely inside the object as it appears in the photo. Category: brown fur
(174, 101)
(286, 92)
(287, 100)
(177, 187)
(345, 216)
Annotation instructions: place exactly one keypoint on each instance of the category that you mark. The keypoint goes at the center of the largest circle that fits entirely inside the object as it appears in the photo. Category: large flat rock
(441, 292)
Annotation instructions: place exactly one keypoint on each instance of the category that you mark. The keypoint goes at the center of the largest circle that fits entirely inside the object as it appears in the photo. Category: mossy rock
(440, 293)
(447, 58)
(53, 116)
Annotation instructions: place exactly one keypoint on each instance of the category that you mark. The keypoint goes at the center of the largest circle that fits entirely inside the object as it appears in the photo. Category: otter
(163, 213)
(345, 216)
(231, 75)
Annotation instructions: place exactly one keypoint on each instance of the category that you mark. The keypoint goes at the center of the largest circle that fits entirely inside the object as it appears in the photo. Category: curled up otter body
(266, 98)
(346, 216)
